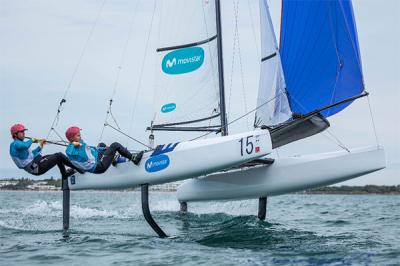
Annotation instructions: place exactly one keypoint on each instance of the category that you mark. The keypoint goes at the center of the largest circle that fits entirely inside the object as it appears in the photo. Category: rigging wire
(373, 121)
(253, 28)
(59, 135)
(236, 45)
(333, 138)
(130, 137)
(233, 61)
(336, 140)
(68, 87)
(242, 116)
(117, 78)
(141, 70)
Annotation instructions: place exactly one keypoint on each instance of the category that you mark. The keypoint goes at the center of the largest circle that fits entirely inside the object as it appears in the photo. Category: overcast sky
(41, 42)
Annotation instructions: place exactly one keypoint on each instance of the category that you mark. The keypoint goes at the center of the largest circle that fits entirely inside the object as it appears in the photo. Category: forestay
(272, 99)
(187, 66)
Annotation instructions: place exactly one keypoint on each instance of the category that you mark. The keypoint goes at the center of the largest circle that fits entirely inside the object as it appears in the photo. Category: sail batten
(187, 45)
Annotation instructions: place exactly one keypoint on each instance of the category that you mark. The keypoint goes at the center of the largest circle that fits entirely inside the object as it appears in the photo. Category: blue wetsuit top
(21, 153)
(85, 157)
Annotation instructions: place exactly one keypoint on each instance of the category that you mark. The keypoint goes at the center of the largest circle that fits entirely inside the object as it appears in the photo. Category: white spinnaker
(272, 96)
(183, 95)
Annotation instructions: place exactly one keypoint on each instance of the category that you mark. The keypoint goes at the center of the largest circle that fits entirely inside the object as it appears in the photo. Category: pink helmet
(71, 132)
(17, 128)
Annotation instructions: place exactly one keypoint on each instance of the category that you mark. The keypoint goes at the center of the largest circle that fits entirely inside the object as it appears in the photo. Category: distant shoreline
(54, 185)
(170, 191)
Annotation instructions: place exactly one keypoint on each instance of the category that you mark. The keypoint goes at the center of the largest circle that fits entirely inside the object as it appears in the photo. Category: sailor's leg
(64, 159)
(262, 208)
(105, 159)
(120, 149)
(116, 147)
(49, 161)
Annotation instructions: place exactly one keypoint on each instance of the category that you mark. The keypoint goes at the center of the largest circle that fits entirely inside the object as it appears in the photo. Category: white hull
(285, 175)
(181, 161)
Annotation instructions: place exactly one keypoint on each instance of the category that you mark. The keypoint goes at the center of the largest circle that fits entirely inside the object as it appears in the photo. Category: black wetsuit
(42, 164)
(106, 157)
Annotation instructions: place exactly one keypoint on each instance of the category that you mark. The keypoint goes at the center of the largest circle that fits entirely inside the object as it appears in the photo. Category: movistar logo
(170, 63)
(157, 163)
(168, 108)
(183, 60)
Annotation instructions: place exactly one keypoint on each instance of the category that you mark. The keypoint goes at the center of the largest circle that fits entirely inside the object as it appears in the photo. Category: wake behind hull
(285, 175)
(180, 161)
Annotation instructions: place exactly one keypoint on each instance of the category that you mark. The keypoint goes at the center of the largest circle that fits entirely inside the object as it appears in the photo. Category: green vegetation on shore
(368, 189)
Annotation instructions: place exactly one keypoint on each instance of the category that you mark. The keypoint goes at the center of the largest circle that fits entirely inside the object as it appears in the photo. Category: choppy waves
(108, 228)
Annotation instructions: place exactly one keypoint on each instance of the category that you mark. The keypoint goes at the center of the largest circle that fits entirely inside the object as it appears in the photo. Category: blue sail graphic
(320, 54)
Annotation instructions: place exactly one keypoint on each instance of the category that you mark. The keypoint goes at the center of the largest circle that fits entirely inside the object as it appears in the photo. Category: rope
(253, 29)
(373, 122)
(126, 135)
(117, 78)
(233, 60)
(63, 99)
(333, 138)
(236, 45)
(240, 117)
(58, 135)
(52, 142)
(240, 64)
(56, 118)
(337, 141)
(141, 70)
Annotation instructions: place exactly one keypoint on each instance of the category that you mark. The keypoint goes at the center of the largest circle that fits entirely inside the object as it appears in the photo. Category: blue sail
(320, 54)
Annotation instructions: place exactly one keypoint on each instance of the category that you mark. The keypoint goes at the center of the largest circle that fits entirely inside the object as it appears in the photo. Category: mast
(224, 121)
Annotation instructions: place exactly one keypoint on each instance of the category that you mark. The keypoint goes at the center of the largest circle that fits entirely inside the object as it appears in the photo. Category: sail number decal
(183, 61)
(249, 145)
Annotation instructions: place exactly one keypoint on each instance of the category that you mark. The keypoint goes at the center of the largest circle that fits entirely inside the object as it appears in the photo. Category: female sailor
(89, 158)
(31, 160)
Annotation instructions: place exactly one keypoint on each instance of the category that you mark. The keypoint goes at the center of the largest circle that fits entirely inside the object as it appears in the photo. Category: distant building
(8, 182)
(166, 187)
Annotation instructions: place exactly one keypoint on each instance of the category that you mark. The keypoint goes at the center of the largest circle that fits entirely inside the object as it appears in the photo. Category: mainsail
(272, 100)
(187, 90)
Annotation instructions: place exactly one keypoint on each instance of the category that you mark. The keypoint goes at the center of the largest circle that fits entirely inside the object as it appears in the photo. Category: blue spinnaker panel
(320, 54)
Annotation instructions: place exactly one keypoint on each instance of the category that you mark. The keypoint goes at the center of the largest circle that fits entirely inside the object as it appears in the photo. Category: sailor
(31, 160)
(91, 159)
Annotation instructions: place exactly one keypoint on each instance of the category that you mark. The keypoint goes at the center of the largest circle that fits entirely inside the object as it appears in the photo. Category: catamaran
(314, 74)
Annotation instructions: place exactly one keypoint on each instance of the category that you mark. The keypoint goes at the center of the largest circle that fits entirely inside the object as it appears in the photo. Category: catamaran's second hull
(285, 175)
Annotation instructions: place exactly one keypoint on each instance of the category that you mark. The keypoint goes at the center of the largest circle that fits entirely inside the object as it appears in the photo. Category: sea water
(107, 228)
